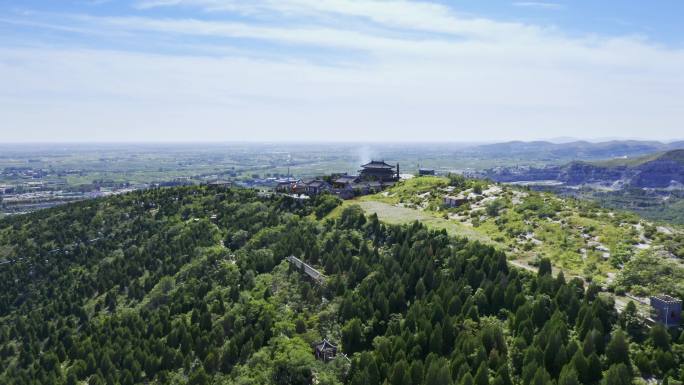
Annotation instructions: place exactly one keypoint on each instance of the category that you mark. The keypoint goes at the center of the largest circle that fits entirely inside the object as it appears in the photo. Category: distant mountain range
(575, 150)
(660, 170)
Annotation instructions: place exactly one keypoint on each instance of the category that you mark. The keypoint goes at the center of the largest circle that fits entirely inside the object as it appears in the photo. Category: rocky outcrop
(517, 174)
(659, 171)
(577, 173)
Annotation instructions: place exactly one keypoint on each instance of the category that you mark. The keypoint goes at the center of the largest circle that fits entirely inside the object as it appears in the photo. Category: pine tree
(416, 372)
(352, 336)
(473, 314)
(502, 376)
(568, 376)
(594, 368)
(541, 377)
(420, 289)
(436, 340)
(438, 373)
(372, 369)
(211, 361)
(482, 375)
(71, 379)
(660, 337)
(617, 350)
(467, 379)
(449, 334)
(544, 267)
(630, 322)
(400, 374)
(617, 375)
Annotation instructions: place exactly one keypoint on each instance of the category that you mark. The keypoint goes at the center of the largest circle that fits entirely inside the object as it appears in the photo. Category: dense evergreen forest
(190, 285)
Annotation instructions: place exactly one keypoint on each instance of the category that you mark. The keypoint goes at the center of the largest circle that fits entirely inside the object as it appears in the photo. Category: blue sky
(224, 70)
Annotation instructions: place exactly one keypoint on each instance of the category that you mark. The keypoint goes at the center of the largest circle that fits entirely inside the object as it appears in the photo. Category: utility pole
(667, 314)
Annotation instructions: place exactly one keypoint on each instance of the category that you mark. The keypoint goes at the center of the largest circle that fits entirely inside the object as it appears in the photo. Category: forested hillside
(190, 285)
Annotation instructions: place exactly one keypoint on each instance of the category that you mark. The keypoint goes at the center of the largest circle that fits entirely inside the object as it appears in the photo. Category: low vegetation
(580, 237)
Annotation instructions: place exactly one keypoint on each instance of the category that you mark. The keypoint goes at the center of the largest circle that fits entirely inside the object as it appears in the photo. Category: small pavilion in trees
(325, 350)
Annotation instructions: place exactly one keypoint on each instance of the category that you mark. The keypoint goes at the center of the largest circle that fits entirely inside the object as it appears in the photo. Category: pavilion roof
(325, 344)
(666, 299)
(377, 164)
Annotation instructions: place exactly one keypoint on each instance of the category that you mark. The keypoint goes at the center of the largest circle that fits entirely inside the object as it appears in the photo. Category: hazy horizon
(336, 141)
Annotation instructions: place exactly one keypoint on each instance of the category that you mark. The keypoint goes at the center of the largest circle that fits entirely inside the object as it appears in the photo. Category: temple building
(316, 186)
(345, 181)
(373, 177)
(379, 171)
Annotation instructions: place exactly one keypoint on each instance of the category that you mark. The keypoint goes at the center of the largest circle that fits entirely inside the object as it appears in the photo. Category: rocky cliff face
(503, 174)
(654, 172)
(577, 173)
(661, 172)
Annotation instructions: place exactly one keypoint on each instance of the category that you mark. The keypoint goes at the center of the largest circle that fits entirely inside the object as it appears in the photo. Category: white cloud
(539, 4)
(469, 79)
(412, 15)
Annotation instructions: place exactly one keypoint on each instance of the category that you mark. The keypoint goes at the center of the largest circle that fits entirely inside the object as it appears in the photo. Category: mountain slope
(190, 286)
(652, 171)
(577, 149)
(661, 171)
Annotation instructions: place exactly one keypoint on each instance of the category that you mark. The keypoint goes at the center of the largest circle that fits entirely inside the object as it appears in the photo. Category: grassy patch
(402, 215)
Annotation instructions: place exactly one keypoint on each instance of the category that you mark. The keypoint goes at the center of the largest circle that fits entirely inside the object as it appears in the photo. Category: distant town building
(325, 350)
(174, 183)
(221, 183)
(345, 186)
(6, 189)
(299, 188)
(426, 171)
(287, 185)
(666, 310)
(379, 171)
(345, 181)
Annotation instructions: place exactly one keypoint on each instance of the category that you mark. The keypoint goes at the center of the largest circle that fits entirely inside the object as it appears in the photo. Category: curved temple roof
(377, 164)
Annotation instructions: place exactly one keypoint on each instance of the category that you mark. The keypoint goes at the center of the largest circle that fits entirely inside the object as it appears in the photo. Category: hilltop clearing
(398, 215)
(579, 237)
